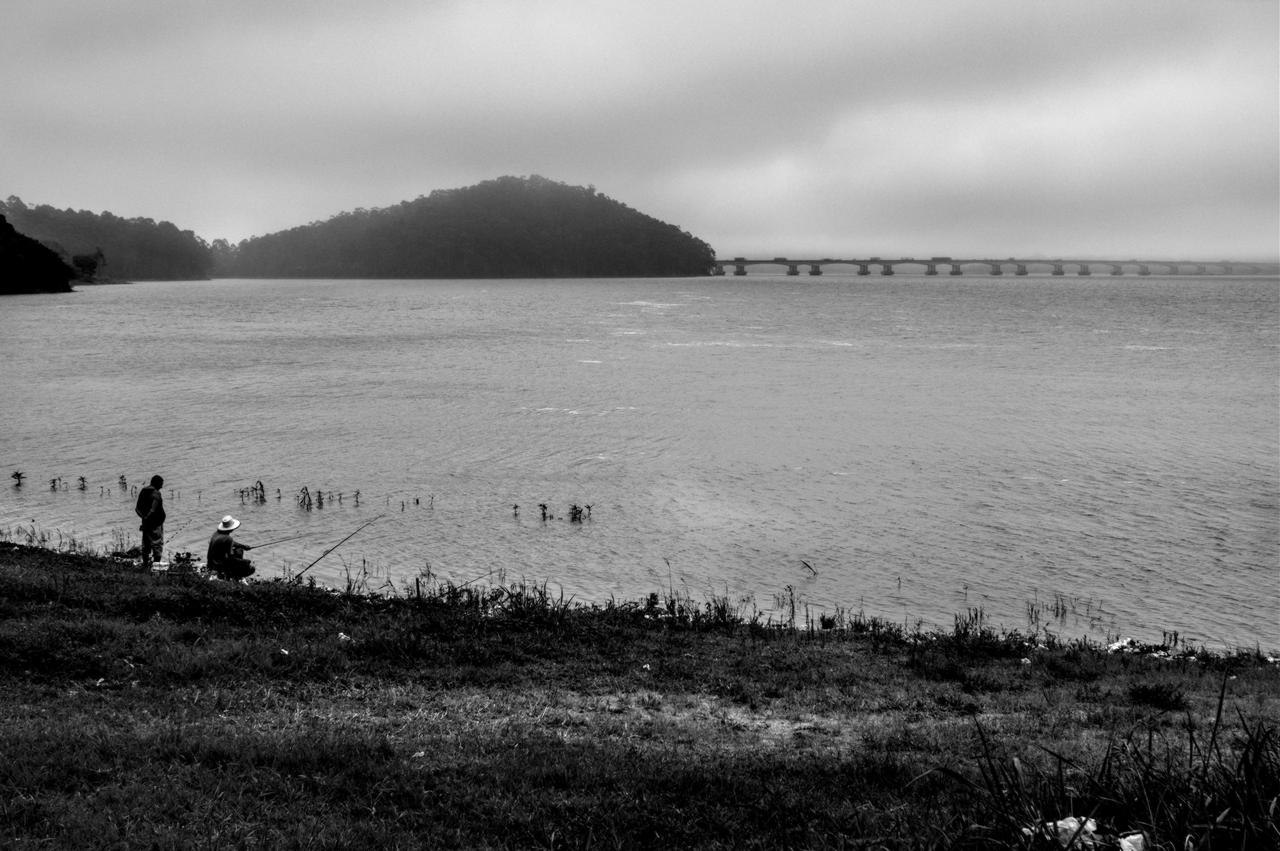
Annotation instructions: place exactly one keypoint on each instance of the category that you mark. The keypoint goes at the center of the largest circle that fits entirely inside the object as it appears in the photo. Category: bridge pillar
(717, 269)
(1116, 270)
(956, 270)
(997, 269)
(886, 269)
(1020, 269)
(931, 268)
(815, 268)
(1084, 269)
(793, 269)
(1201, 270)
(1058, 270)
(1174, 268)
(1143, 270)
(863, 269)
(739, 269)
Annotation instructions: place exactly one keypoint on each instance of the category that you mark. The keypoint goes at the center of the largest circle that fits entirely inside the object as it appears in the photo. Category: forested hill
(106, 245)
(502, 228)
(26, 266)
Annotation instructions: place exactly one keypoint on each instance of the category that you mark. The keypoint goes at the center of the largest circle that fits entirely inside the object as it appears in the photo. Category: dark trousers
(152, 544)
(233, 568)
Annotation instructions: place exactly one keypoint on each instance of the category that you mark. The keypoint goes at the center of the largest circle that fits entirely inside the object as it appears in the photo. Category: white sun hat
(228, 523)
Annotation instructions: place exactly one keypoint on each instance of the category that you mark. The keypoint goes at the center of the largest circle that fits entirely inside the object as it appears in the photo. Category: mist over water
(924, 445)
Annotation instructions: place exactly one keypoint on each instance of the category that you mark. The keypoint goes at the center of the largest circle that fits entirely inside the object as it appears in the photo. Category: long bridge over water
(989, 266)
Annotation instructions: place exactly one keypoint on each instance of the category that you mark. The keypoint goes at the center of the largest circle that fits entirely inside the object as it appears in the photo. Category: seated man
(224, 557)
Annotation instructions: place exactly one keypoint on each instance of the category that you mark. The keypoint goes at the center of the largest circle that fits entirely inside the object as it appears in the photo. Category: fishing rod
(334, 547)
(279, 541)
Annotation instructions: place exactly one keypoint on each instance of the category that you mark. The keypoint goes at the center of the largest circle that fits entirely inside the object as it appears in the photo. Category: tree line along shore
(167, 711)
(509, 227)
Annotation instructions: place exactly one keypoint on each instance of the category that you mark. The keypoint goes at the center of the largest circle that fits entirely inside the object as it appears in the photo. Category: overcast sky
(1115, 128)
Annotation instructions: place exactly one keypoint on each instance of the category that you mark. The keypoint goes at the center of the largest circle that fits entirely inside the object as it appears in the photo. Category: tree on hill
(130, 249)
(503, 228)
(26, 266)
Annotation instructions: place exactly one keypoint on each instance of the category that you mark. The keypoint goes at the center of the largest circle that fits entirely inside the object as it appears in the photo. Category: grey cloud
(753, 124)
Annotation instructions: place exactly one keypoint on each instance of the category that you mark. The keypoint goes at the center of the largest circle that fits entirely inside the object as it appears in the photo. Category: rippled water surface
(906, 447)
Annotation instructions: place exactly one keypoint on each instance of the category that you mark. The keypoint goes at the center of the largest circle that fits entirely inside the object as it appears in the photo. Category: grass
(174, 712)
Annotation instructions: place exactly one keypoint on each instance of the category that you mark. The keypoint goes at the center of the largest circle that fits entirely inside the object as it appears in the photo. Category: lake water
(905, 447)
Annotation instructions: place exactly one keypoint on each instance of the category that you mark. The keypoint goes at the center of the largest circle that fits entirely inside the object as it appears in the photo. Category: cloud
(995, 125)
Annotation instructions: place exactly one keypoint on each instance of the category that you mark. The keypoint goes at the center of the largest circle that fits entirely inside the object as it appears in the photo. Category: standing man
(150, 509)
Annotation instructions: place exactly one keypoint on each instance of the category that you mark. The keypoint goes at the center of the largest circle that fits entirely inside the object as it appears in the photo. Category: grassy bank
(155, 711)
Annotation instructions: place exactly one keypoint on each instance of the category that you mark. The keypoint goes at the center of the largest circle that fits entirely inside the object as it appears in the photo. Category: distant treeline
(502, 228)
(103, 245)
(527, 227)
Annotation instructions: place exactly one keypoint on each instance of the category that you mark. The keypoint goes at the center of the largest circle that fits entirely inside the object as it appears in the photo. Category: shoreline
(1055, 618)
(289, 714)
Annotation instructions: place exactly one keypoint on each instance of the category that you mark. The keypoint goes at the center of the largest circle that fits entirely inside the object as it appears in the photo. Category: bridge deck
(1018, 266)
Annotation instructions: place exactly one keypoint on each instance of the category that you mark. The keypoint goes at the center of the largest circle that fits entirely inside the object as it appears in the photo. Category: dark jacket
(150, 507)
(220, 550)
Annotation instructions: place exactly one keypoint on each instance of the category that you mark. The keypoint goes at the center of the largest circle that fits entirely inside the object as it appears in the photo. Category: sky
(820, 128)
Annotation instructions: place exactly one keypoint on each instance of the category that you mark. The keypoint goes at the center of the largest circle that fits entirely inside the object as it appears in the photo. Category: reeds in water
(255, 494)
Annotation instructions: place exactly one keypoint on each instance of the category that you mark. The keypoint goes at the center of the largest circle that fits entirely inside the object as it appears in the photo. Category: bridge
(990, 266)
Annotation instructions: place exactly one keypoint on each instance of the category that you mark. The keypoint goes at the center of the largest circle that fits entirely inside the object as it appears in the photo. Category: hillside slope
(128, 249)
(26, 266)
(502, 228)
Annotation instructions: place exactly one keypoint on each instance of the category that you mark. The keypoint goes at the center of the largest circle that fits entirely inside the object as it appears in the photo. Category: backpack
(145, 498)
